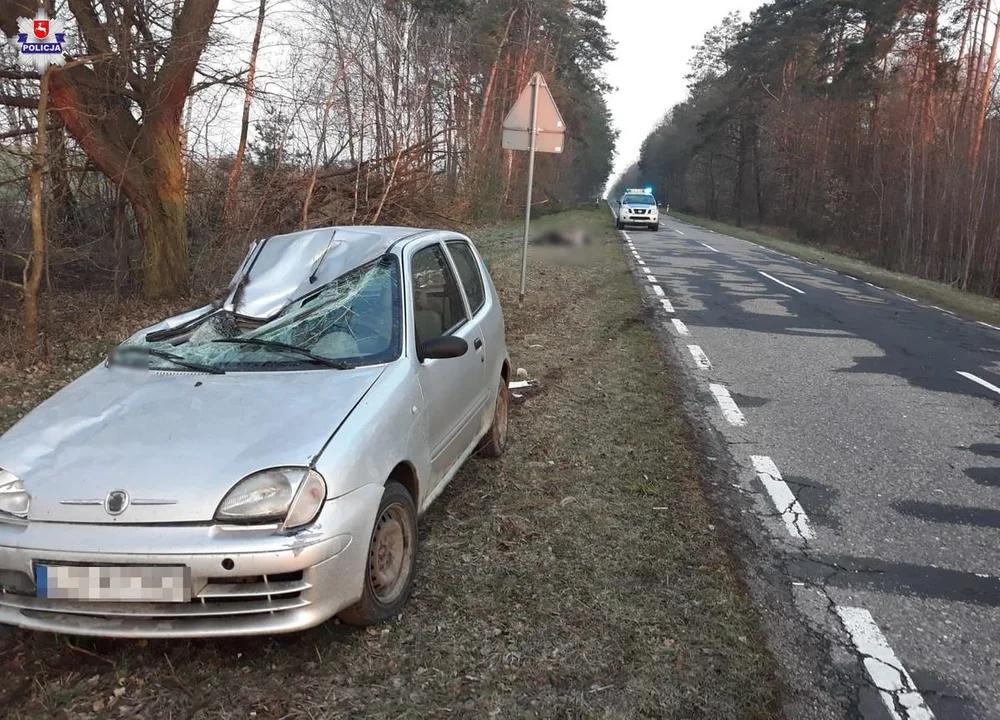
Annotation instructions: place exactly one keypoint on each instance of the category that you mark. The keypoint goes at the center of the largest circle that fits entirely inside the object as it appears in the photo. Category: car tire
(620, 225)
(391, 561)
(494, 442)
(655, 228)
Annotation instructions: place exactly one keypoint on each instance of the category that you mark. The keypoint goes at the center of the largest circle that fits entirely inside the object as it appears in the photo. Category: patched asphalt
(854, 392)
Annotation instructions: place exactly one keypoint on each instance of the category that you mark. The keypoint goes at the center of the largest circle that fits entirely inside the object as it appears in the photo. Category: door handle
(478, 343)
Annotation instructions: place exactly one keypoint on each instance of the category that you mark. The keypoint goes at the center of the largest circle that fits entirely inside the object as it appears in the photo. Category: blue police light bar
(649, 190)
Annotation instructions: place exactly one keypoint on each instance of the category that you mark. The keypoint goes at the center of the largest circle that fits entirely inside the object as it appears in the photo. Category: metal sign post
(534, 125)
(533, 132)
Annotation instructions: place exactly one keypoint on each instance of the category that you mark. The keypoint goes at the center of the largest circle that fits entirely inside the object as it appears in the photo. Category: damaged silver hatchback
(258, 465)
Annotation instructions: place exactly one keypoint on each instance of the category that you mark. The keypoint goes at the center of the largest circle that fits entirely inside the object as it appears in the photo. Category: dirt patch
(579, 576)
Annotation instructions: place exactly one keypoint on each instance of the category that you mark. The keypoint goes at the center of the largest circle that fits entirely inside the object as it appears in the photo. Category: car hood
(175, 442)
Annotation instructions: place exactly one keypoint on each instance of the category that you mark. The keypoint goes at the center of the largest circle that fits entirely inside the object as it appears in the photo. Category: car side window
(469, 273)
(437, 300)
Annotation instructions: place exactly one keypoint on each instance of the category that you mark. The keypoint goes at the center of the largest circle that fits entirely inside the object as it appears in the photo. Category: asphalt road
(871, 461)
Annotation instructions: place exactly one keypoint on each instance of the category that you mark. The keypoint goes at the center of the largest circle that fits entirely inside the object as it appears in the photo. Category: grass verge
(579, 576)
(970, 305)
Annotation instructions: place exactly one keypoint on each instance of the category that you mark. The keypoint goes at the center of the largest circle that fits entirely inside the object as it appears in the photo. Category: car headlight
(14, 499)
(292, 496)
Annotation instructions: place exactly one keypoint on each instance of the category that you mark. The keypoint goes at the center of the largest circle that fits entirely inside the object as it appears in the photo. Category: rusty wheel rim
(391, 554)
(503, 398)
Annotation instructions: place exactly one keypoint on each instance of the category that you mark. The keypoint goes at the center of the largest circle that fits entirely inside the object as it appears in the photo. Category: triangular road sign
(550, 127)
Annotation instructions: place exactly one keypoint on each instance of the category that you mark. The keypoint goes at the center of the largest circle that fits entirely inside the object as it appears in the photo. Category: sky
(655, 40)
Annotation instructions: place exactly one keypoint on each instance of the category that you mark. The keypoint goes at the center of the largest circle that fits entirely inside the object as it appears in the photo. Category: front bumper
(277, 582)
(639, 219)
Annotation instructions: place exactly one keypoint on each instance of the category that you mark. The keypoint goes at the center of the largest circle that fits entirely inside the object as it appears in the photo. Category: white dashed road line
(790, 287)
(650, 278)
(700, 358)
(659, 291)
(935, 307)
(976, 379)
(991, 327)
(678, 232)
(641, 263)
(728, 406)
(792, 514)
(906, 297)
(680, 327)
(710, 247)
(667, 305)
(895, 686)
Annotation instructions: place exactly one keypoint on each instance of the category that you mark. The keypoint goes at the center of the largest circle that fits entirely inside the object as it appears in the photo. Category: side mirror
(442, 348)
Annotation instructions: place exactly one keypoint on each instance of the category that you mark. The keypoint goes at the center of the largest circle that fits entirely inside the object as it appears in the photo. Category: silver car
(258, 465)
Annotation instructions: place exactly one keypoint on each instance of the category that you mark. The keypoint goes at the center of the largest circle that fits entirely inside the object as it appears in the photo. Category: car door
(468, 267)
(452, 388)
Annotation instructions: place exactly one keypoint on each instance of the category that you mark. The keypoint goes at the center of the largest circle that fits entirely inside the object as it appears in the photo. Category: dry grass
(970, 305)
(579, 576)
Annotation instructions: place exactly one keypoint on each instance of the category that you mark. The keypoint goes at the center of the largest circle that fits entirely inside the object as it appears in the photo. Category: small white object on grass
(522, 373)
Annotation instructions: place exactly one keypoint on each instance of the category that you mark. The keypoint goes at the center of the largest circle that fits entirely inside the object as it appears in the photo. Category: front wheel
(620, 225)
(655, 228)
(392, 560)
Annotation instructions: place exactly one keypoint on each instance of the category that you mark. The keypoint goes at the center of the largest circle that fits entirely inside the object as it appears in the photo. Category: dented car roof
(284, 268)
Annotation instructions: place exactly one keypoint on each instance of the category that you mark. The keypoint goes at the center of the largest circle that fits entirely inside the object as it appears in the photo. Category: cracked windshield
(352, 321)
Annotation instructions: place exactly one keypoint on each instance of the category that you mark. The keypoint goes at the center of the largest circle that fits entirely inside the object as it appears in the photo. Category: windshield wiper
(275, 345)
(164, 355)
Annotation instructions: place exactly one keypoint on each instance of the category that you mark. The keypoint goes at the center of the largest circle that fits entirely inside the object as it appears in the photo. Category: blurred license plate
(113, 584)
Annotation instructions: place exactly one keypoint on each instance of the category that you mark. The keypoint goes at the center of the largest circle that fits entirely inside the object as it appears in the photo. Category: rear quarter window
(469, 272)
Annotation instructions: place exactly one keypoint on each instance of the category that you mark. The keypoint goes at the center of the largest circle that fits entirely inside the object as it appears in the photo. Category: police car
(638, 207)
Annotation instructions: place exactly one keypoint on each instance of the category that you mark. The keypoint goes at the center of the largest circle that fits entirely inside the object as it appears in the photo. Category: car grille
(219, 597)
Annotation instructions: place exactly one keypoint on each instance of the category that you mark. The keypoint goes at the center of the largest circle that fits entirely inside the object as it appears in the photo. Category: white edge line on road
(935, 307)
(678, 231)
(906, 297)
(642, 263)
(659, 291)
(851, 277)
(667, 305)
(710, 247)
(975, 379)
(729, 408)
(898, 691)
(650, 278)
(680, 327)
(790, 287)
(626, 235)
(794, 517)
(991, 327)
(700, 358)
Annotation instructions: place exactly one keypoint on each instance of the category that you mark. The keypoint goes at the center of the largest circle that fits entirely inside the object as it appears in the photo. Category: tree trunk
(984, 97)
(36, 262)
(236, 172)
(159, 211)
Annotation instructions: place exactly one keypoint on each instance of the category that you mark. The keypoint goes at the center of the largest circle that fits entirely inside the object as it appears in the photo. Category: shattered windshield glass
(354, 320)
